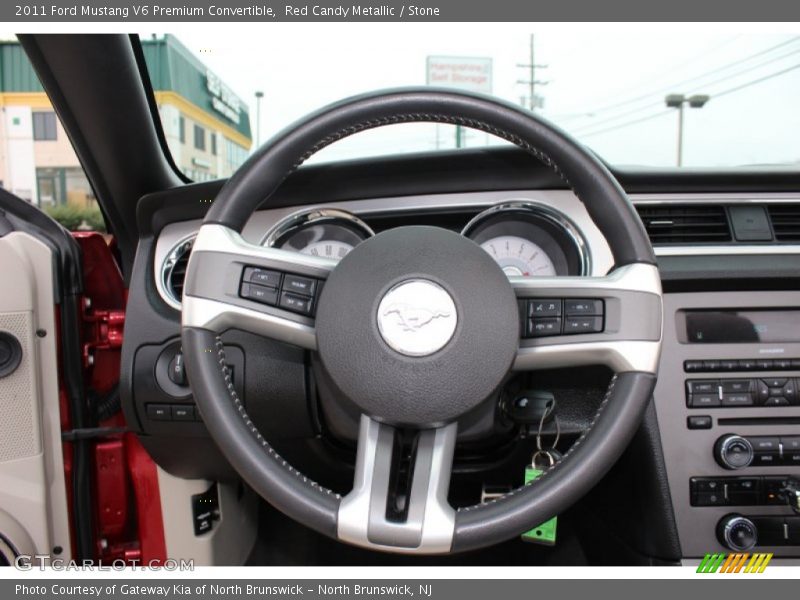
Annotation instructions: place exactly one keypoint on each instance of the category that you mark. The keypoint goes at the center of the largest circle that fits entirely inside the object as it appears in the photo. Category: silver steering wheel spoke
(631, 321)
(213, 296)
(368, 516)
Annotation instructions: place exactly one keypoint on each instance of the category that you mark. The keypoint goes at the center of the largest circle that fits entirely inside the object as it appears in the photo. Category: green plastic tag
(546, 532)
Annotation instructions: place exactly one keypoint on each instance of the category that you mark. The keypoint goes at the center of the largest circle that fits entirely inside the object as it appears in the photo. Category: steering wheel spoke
(614, 320)
(234, 283)
(400, 505)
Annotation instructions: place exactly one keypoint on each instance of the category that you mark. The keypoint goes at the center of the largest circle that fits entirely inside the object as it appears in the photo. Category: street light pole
(259, 96)
(679, 101)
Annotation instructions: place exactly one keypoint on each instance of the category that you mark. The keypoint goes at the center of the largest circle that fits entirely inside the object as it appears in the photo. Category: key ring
(549, 456)
(541, 426)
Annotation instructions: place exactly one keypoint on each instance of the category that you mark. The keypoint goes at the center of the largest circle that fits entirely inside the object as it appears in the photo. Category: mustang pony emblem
(412, 318)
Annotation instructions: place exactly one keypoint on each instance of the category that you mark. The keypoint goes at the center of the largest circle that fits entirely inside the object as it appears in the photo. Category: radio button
(583, 307)
(747, 365)
(789, 390)
(704, 400)
(737, 386)
(544, 308)
(776, 401)
(544, 327)
(703, 386)
(762, 391)
(693, 366)
(737, 400)
(699, 422)
(765, 459)
(765, 444)
(728, 365)
(791, 443)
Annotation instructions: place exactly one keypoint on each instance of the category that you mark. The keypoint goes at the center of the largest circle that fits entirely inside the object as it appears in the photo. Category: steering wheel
(420, 370)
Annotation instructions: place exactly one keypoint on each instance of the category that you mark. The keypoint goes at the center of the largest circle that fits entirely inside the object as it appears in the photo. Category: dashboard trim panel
(561, 201)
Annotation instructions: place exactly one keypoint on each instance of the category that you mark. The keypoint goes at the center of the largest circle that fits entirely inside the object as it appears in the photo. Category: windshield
(636, 97)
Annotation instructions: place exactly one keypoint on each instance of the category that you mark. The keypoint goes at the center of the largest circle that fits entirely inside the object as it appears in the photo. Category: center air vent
(785, 221)
(173, 271)
(685, 223)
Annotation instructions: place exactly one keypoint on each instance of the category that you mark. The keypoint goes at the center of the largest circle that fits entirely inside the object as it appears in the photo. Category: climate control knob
(733, 452)
(737, 533)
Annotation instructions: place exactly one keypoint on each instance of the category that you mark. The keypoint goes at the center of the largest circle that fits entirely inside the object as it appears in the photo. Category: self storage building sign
(472, 74)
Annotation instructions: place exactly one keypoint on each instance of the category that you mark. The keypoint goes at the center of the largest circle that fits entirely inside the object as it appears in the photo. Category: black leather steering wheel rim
(225, 416)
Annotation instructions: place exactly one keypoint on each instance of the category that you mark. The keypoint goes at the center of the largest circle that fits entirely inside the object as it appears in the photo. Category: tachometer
(519, 257)
(325, 232)
(328, 249)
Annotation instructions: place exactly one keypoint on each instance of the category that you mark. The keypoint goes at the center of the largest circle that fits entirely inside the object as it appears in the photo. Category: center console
(729, 413)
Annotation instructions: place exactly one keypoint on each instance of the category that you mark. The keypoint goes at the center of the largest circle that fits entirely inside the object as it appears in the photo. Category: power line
(674, 67)
(725, 67)
(626, 114)
(752, 68)
(623, 125)
(716, 95)
(755, 81)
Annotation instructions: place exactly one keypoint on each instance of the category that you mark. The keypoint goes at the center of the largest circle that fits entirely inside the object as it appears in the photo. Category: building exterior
(206, 125)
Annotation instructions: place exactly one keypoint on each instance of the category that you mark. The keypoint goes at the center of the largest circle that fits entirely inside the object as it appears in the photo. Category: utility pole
(532, 82)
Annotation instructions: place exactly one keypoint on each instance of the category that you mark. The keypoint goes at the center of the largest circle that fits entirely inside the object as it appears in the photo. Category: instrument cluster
(526, 239)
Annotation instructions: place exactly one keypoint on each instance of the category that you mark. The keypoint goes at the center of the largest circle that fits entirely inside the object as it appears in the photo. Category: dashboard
(714, 506)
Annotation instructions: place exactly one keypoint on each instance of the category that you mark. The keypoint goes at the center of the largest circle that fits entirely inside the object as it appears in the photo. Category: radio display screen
(742, 326)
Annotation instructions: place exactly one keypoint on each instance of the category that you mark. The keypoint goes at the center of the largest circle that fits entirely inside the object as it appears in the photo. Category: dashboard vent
(173, 271)
(685, 223)
(785, 221)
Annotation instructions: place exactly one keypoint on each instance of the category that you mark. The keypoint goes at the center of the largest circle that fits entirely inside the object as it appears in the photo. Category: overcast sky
(600, 78)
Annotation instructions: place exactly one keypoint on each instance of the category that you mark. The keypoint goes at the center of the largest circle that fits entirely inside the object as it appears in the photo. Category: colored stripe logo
(734, 563)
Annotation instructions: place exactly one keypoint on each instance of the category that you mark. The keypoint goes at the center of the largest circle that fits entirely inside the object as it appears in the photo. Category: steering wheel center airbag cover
(468, 337)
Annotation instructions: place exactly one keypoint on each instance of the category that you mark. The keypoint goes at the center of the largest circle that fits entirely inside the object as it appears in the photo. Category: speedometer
(519, 257)
(529, 239)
